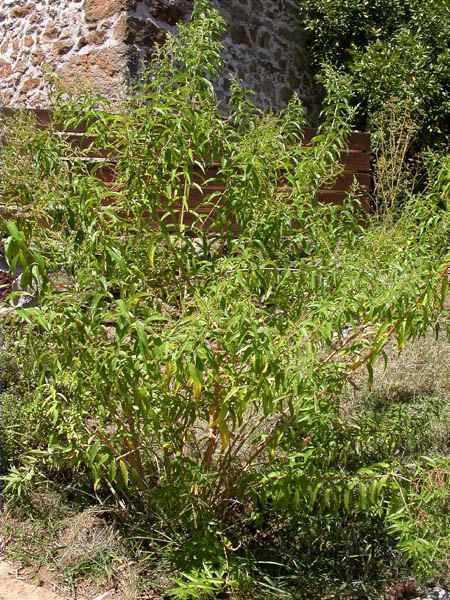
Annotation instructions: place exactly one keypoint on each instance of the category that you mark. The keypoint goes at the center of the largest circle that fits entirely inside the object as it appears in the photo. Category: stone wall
(148, 23)
(105, 43)
(83, 41)
(264, 46)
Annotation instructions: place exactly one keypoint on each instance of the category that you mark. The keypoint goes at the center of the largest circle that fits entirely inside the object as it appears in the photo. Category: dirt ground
(15, 587)
(12, 587)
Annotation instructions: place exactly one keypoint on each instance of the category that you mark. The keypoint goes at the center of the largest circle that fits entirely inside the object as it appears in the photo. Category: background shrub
(392, 49)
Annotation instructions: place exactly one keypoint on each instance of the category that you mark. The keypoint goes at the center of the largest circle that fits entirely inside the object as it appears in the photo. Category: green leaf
(124, 472)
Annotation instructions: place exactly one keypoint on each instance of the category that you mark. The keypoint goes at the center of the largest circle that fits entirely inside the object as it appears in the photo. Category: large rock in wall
(105, 43)
(148, 23)
(83, 41)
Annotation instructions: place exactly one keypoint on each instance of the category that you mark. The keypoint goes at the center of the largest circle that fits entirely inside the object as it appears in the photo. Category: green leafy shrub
(392, 49)
(190, 360)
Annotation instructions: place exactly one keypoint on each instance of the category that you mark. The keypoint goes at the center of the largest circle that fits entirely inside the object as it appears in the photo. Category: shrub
(190, 360)
(392, 49)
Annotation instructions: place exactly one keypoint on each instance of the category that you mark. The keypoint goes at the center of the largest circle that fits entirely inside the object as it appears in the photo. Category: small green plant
(200, 584)
(19, 481)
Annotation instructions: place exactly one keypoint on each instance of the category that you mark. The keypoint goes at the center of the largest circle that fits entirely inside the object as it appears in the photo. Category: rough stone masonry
(103, 44)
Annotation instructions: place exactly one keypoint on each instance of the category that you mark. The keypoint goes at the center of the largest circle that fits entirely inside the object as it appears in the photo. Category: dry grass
(76, 553)
(84, 538)
(415, 378)
(422, 368)
(91, 553)
(129, 583)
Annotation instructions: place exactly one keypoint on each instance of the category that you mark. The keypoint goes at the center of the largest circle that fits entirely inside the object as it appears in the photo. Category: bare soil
(13, 587)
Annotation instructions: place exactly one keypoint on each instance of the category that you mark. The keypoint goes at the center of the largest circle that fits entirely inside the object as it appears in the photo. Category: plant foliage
(392, 49)
(190, 359)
